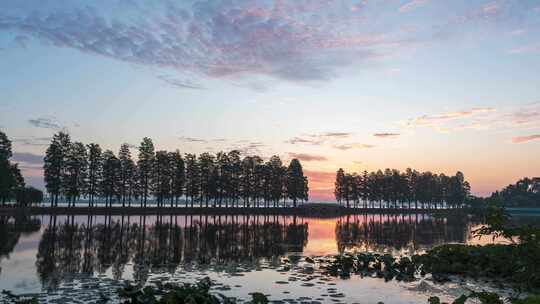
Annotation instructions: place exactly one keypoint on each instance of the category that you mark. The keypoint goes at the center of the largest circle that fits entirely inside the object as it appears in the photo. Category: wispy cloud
(180, 83)
(192, 139)
(345, 147)
(319, 138)
(249, 148)
(333, 135)
(526, 49)
(517, 117)
(386, 135)
(32, 141)
(411, 5)
(524, 139)
(528, 115)
(437, 119)
(45, 123)
(308, 157)
(288, 40)
(302, 140)
(298, 41)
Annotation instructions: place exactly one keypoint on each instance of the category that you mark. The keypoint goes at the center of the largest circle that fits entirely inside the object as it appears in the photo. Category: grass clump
(198, 293)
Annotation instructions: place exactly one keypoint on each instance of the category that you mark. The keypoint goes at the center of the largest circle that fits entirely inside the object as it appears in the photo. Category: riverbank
(312, 209)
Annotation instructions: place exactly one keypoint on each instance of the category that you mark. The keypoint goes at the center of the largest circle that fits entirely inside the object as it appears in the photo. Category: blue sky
(436, 85)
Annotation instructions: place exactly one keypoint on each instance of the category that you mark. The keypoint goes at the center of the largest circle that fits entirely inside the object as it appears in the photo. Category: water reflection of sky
(50, 250)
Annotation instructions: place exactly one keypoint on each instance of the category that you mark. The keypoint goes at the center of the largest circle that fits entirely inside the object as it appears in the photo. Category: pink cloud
(345, 147)
(308, 157)
(317, 139)
(436, 120)
(301, 140)
(442, 122)
(524, 139)
(386, 135)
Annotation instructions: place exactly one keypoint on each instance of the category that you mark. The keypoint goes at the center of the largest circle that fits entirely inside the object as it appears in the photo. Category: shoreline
(315, 210)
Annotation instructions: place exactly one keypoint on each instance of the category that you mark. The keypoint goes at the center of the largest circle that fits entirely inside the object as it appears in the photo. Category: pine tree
(5, 147)
(6, 170)
(145, 165)
(206, 168)
(162, 177)
(297, 187)
(55, 164)
(95, 172)
(192, 178)
(223, 175)
(178, 176)
(127, 172)
(110, 183)
(75, 176)
(11, 180)
(235, 172)
(277, 176)
(339, 185)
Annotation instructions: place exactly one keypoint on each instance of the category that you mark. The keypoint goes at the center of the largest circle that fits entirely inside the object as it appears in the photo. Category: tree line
(12, 185)
(394, 189)
(524, 193)
(73, 170)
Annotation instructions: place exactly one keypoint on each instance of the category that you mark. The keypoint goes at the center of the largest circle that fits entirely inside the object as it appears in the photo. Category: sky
(362, 85)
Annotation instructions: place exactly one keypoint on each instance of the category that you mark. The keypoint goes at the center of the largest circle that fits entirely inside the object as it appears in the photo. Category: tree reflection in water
(399, 232)
(11, 229)
(160, 243)
(124, 246)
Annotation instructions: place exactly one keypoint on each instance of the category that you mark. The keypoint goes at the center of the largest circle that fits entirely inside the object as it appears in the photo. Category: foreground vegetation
(485, 297)
(186, 293)
(517, 263)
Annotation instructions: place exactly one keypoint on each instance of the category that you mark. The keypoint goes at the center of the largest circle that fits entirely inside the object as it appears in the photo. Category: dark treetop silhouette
(73, 170)
(393, 189)
(524, 193)
(12, 184)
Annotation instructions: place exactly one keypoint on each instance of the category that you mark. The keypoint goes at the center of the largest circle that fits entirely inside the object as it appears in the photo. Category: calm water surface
(70, 257)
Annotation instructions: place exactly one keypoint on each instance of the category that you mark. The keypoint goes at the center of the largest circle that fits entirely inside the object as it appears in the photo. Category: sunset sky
(363, 85)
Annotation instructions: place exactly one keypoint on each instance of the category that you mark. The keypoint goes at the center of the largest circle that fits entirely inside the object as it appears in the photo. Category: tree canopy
(524, 193)
(74, 171)
(11, 178)
(391, 189)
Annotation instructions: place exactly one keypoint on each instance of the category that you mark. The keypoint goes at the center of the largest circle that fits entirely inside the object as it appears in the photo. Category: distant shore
(312, 209)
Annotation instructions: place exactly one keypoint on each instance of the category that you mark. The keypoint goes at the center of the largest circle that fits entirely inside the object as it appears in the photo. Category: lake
(68, 258)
